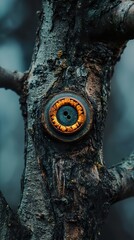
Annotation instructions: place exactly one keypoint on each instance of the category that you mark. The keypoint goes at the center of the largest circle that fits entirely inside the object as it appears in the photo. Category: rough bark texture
(67, 190)
(123, 179)
(10, 226)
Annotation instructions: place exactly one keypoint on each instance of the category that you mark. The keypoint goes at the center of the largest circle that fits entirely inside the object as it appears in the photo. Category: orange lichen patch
(60, 53)
(81, 113)
(98, 165)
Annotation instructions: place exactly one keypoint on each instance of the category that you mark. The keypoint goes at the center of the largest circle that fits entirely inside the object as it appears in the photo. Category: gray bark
(67, 189)
(12, 80)
(10, 226)
(123, 179)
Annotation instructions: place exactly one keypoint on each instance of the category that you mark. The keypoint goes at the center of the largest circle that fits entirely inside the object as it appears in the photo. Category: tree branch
(4, 217)
(12, 80)
(119, 22)
(109, 20)
(123, 179)
(10, 225)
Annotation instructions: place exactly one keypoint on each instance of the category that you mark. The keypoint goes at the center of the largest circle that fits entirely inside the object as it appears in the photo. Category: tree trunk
(67, 190)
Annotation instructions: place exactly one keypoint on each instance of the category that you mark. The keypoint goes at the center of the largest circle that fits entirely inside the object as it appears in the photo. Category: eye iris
(67, 115)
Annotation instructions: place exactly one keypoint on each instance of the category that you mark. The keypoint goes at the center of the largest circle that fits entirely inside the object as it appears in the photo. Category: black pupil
(67, 115)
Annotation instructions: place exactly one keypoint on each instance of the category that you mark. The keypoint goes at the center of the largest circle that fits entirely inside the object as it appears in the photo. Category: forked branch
(110, 20)
(119, 22)
(123, 179)
(12, 80)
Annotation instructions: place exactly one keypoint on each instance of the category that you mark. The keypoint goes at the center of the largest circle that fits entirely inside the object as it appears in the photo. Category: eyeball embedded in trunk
(67, 116)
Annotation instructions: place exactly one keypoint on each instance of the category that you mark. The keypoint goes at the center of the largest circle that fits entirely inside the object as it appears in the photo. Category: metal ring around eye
(67, 116)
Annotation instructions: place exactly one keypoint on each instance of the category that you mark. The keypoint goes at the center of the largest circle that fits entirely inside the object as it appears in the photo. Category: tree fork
(67, 189)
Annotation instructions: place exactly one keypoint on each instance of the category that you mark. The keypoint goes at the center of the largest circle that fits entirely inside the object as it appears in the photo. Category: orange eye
(67, 116)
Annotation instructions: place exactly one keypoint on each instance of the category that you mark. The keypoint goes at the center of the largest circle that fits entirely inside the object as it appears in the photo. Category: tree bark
(12, 80)
(67, 190)
(10, 226)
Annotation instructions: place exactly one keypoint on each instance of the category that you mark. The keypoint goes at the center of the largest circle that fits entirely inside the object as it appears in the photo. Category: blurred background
(18, 23)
